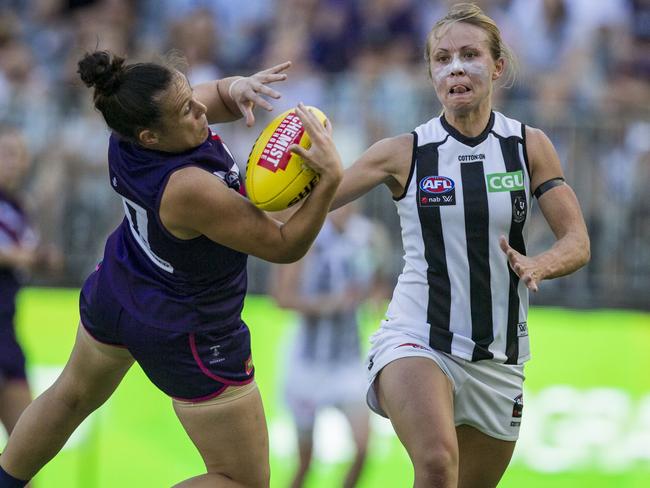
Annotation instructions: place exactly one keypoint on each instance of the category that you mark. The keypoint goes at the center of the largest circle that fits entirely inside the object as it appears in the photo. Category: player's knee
(73, 398)
(438, 465)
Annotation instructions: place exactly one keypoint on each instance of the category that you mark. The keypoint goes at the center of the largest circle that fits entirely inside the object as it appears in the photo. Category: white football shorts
(311, 386)
(487, 395)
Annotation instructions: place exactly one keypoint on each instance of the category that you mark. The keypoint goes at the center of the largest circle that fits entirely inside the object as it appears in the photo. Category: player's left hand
(247, 91)
(528, 269)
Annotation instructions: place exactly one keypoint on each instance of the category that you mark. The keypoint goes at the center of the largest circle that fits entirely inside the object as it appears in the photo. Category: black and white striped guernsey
(456, 288)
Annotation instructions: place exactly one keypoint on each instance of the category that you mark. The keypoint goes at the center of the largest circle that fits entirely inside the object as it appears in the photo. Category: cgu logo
(437, 184)
(505, 181)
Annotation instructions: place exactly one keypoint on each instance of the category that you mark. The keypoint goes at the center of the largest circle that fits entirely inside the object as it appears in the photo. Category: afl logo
(437, 184)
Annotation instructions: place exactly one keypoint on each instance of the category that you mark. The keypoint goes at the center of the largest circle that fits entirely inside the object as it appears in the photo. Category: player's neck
(472, 123)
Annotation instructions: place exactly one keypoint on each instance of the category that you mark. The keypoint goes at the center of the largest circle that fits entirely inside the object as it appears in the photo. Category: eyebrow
(182, 105)
(185, 100)
(468, 46)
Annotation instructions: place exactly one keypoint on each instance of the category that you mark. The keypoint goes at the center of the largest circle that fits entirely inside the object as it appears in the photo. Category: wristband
(233, 84)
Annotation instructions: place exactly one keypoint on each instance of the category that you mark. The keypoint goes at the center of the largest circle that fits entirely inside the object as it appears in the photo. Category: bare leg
(93, 372)
(232, 439)
(483, 459)
(14, 399)
(359, 419)
(418, 398)
(210, 480)
(305, 450)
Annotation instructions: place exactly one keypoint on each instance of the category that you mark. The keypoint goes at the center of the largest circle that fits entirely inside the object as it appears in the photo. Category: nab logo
(437, 184)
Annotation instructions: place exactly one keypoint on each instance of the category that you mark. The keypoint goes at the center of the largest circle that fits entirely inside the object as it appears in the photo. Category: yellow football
(275, 177)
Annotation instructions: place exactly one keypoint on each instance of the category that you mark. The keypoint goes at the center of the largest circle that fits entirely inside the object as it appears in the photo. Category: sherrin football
(275, 177)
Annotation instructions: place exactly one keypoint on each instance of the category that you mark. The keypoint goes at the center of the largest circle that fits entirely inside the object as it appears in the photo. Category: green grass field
(586, 415)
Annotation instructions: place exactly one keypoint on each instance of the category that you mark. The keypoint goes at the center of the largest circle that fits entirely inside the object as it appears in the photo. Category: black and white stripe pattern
(456, 288)
(335, 264)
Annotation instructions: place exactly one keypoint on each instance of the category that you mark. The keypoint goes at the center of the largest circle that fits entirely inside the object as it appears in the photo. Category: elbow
(585, 251)
(286, 255)
(587, 254)
(290, 256)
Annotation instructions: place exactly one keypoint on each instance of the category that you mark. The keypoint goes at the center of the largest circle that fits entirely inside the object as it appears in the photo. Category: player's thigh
(93, 371)
(231, 436)
(418, 398)
(483, 459)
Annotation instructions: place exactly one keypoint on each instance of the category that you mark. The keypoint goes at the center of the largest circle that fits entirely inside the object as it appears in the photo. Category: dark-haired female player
(446, 366)
(170, 288)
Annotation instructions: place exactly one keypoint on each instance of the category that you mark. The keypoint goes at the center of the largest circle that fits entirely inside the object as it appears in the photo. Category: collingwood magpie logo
(517, 410)
(519, 209)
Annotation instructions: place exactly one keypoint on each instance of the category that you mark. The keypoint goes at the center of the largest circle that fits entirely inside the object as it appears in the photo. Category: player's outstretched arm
(562, 211)
(387, 161)
(231, 98)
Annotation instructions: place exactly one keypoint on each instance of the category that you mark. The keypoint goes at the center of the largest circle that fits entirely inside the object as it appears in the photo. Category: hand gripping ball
(275, 177)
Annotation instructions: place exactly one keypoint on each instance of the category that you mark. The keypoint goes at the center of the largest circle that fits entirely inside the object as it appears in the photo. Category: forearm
(299, 232)
(216, 96)
(568, 254)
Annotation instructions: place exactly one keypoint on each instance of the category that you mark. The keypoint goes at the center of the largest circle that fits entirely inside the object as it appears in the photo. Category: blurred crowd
(583, 76)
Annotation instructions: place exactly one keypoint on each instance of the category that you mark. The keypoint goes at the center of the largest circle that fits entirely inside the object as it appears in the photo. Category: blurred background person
(324, 368)
(20, 253)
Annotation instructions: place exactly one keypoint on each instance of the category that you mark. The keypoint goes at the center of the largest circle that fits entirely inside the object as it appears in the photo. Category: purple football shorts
(186, 365)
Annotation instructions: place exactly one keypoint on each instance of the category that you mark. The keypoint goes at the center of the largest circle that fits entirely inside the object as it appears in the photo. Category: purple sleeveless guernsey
(162, 281)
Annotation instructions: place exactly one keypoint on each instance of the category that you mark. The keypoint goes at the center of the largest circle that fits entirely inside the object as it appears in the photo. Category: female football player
(446, 366)
(170, 289)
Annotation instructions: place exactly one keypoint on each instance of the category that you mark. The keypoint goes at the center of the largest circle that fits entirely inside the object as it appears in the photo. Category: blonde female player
(171, 286)
(446, 366)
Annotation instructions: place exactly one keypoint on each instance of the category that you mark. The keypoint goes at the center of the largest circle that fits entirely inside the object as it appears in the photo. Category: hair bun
(102, 70)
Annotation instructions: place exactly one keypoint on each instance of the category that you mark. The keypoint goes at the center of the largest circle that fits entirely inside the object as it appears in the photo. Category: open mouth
(459, 90)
